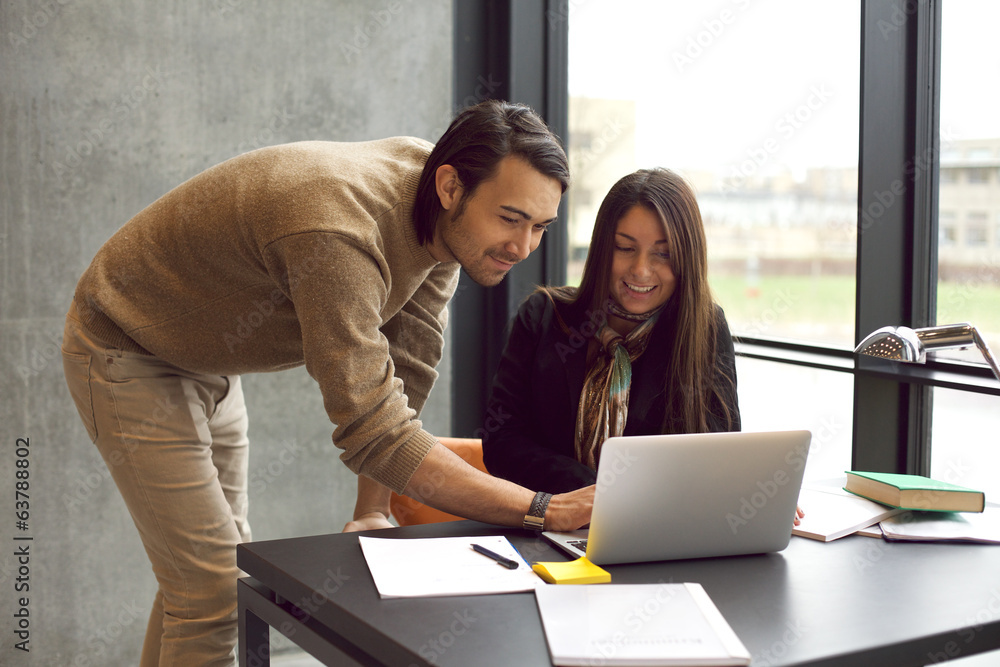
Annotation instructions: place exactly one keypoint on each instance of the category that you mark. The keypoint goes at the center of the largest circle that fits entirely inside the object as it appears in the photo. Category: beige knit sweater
(301, 253)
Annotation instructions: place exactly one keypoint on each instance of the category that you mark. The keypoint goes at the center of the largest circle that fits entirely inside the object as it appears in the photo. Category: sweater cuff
(396, 472)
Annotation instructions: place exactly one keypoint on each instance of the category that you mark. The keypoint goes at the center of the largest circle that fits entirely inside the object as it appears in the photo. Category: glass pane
(965, 425)
(776, 397)
(969, 184)
(966, 437)
(760, 115)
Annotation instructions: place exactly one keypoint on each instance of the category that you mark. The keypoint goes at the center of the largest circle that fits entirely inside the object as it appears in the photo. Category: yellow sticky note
(579, 571)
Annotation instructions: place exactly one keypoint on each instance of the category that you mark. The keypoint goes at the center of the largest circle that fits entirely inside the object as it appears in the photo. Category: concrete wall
(104, 106)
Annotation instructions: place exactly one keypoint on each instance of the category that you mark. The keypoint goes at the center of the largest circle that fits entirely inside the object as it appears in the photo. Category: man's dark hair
(475, 142)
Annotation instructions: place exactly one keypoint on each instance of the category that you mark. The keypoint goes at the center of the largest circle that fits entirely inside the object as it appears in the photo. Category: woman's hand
(798, 515)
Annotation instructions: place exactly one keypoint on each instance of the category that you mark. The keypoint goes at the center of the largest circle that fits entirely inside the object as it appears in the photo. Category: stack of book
(896, 507)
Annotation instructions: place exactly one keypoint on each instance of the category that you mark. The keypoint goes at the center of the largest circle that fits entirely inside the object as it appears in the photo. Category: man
(341, 256)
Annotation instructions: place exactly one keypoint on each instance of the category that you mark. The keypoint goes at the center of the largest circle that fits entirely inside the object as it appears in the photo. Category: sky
(723, 81)
(970, 68)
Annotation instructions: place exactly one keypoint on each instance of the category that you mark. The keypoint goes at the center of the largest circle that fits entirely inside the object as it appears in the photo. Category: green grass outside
(779, 305)
(809, 309)
(977, 304)
(797, 306)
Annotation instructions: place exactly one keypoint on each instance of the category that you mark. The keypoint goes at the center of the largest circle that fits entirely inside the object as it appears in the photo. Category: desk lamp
(912, 345)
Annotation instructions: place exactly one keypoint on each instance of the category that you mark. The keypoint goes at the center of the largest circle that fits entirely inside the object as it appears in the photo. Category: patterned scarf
(603, 407)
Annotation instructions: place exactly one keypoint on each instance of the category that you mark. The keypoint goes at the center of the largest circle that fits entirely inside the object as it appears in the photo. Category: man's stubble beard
(461, 248)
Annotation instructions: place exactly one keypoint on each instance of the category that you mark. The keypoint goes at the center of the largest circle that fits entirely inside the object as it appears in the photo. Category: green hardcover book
(914, 492)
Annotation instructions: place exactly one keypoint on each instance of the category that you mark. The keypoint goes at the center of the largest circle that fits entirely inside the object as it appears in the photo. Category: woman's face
(642, 278)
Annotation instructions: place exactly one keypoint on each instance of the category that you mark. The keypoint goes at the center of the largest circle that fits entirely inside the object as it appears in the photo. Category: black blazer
(528, 432)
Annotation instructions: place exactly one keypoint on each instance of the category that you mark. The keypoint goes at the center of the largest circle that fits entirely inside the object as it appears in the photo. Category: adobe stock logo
(90, 141)
(749, 507)
(767, 489)
(438, 645)
(785, 127)
(375, 23)
(31, 23)
(706, 36)
(610, 470)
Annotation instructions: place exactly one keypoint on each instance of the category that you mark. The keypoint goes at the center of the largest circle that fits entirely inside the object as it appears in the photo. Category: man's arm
(446, 482)
(348, 355)
(472, 494)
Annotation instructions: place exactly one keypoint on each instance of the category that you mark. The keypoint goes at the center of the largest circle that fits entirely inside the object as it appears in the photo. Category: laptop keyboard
(579, 544)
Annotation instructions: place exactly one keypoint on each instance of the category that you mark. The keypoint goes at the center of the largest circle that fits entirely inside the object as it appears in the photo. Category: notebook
(667, 497)
(636, 624)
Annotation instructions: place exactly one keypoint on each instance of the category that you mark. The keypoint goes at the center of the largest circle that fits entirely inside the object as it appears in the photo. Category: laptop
(667, 497)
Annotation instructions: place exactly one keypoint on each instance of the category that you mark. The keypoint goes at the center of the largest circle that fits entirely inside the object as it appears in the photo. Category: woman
(639, 348)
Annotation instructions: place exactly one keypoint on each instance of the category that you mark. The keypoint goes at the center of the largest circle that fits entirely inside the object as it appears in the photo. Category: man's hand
(569, 511)
(370, 521)
(446, 482)
(371, 510)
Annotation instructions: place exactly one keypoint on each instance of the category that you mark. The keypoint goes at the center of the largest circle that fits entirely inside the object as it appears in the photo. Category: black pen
(506, 562)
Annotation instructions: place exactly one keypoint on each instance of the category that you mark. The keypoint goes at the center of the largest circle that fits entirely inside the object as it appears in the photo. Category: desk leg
(255, 639)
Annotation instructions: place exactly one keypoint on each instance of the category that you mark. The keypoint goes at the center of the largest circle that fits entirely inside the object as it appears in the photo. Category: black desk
(856, 601)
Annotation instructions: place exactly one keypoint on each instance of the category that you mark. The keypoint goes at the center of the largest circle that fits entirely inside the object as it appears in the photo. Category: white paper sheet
(832, 513)
(981, 527)
(441, 566)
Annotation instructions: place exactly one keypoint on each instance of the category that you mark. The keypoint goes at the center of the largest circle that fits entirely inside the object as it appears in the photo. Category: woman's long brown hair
(690, 383)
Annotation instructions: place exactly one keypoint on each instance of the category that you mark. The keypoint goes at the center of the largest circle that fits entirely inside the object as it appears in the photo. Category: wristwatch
(535, 518)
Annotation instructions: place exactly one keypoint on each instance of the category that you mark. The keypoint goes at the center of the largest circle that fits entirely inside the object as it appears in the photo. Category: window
(976, 234)
(947, 229)
(773, 160)
(702, 88)
(793, 390)
(775, 164)
(977, 175)
(965, 450)
(968, 267)
(968, 287)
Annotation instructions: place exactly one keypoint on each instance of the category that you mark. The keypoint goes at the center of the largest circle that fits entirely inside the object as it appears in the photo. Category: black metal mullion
(896, 193)
(926, 152)
(880, 436)
(556, 241)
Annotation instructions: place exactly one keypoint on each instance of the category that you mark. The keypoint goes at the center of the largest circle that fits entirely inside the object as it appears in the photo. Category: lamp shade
(911, 345)
(898, 343)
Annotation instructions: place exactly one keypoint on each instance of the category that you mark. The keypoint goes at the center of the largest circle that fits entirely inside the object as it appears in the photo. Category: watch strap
(535, 518)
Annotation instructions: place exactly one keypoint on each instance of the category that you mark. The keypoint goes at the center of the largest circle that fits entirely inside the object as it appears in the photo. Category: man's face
(502, 221)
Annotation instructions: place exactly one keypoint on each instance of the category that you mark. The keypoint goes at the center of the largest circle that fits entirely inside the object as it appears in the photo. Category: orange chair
(409, 512)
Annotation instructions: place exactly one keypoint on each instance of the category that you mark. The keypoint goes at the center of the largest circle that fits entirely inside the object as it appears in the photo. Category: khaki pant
(176, 445)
